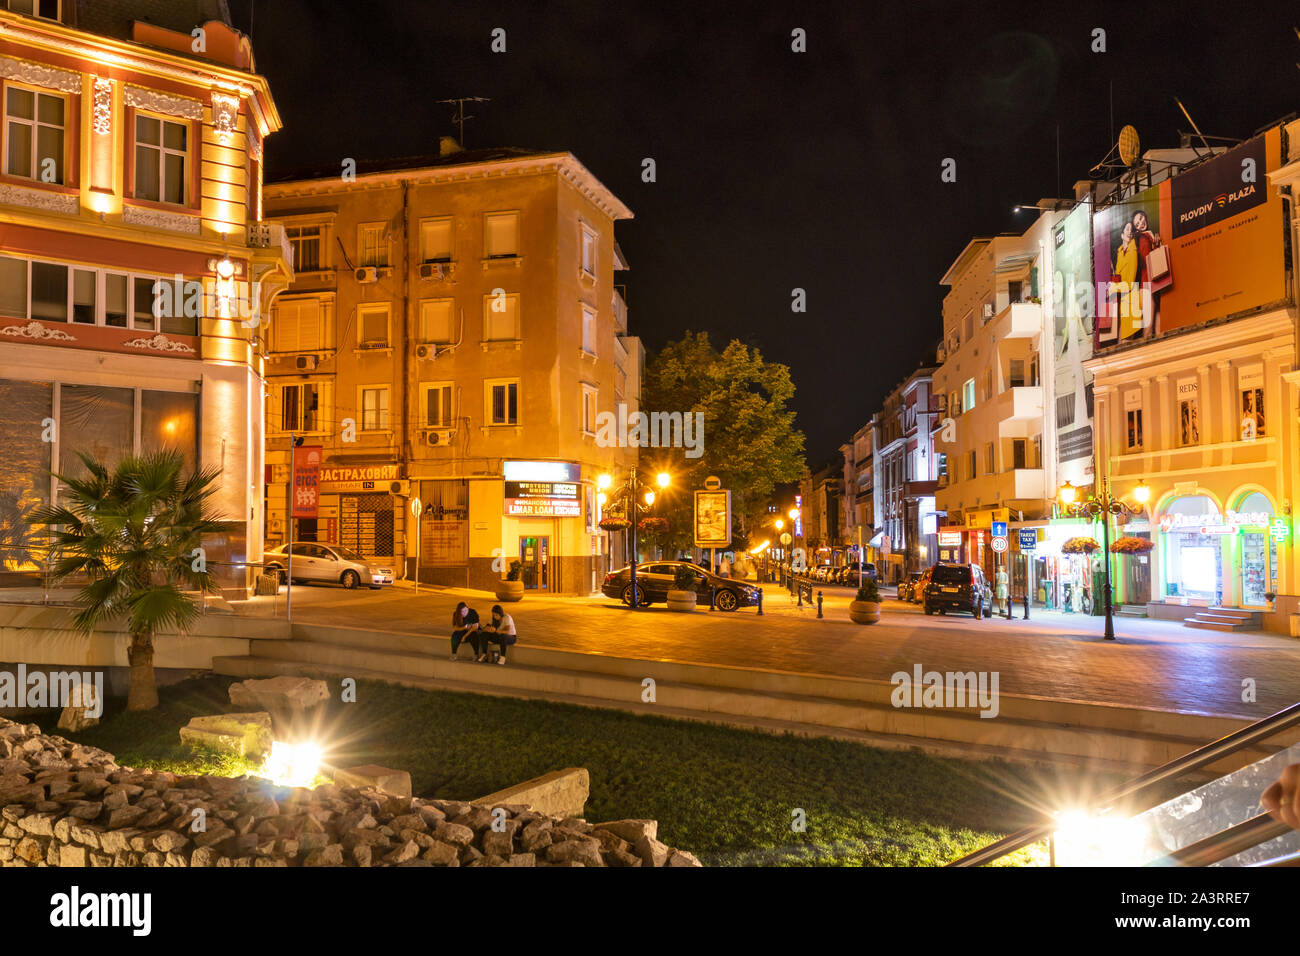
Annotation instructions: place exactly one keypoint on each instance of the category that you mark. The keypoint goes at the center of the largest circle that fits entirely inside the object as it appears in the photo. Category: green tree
(134, 532)
(750, 441)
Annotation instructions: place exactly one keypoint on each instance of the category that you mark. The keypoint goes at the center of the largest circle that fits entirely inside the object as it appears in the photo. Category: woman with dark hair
(465, 626)
(500, 632)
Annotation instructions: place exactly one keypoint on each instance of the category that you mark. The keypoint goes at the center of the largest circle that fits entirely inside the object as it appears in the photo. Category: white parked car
(333, 563)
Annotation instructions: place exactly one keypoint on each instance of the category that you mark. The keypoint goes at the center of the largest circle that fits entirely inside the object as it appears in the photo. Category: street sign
(999, 529)
(1028, 539)
(712, 483)
(999, 545)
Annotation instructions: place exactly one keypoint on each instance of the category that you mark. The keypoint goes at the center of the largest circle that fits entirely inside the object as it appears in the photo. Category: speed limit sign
(999, 545)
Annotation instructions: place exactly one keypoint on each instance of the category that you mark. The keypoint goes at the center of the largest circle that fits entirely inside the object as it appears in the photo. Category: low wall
(40, 634)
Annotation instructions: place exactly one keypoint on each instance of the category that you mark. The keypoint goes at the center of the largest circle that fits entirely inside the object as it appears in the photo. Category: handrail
(1260, 730)
(1219, 846)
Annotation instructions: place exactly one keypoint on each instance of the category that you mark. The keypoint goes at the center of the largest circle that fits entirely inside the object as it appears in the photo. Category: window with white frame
(34, 133)
(1132, 419)
(301, 407)
(298, 325)
(374, 408)
(435, 239)
(500, 235)
(161, 159)
(438, 412)
(372, 244)
(968, 395)
(57, 292)
(308, 247)
(590, 243)
(589, 330)
(502, 399)
(588, 409)
(501, 317)
(1250, 385)
(372, 326)
(437, 321)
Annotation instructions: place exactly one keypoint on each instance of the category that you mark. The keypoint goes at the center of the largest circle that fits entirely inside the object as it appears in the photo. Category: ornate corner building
(135, 267)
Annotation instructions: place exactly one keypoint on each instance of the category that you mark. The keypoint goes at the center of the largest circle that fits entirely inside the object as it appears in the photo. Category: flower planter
(864, 612)
(510, 590)
(681, 600)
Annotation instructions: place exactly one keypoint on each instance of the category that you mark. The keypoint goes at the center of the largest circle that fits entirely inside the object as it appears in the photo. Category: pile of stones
(64, 804)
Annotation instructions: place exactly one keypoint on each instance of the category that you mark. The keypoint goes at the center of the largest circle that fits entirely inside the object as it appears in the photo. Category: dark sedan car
(656, 578)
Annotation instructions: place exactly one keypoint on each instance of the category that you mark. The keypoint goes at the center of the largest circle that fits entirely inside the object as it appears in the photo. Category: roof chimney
(448, 145)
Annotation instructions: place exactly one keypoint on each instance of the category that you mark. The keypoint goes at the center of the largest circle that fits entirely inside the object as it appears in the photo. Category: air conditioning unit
(400, 488)
(434, 270)
(306, 363)
(440, 436)
(988, 310)
(426, 352)
(367, 274)
(941, 354)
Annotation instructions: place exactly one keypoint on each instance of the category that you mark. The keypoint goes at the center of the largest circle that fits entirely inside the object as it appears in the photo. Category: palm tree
(133, 532)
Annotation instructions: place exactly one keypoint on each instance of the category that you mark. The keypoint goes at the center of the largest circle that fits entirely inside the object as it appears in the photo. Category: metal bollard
(799, 587)
(760, 602)
(819, 603)
(1026, 606)
(713, 598)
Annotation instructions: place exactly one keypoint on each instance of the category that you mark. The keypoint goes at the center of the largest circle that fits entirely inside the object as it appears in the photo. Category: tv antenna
(460, 117)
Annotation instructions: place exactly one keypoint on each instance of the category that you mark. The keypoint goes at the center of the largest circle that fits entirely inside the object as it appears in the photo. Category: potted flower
(1080, 545)
(1130, 544)
(682, 595)
(614, 523)
(511, 588)
(865, 608)
(652, 525)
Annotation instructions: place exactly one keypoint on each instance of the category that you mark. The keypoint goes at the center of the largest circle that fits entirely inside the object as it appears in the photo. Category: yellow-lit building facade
(455, 327)
(133, 257)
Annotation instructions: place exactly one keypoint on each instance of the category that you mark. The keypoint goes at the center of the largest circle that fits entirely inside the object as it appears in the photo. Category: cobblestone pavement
(1157, 664)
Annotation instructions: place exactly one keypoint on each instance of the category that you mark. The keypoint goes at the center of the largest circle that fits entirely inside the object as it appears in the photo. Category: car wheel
(644, 598)
(279, 574)
(350, 579)
(929, 610)
(727, 601)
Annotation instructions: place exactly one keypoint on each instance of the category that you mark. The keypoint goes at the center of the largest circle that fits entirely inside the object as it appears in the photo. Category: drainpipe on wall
(405, 339)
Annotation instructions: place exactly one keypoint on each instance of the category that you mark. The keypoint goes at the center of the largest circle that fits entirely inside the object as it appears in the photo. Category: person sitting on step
(500, 632)
(464, 621)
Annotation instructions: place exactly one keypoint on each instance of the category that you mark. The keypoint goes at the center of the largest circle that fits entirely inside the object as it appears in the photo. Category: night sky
(776, 170)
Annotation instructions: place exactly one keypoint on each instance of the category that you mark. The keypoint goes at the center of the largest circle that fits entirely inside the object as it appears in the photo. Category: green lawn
(726, 794)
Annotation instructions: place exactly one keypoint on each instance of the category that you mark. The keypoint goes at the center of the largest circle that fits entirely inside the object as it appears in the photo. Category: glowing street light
(1102, 506)
(649, 498)
(603, 482)
(664, 479)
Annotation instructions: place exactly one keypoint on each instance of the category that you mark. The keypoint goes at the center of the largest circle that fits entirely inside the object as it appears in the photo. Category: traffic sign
(999, 529)
(999, 545)
(1028, 539)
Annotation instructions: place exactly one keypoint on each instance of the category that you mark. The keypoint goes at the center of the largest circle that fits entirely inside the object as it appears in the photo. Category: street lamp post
(629, 490)
(1104, 505)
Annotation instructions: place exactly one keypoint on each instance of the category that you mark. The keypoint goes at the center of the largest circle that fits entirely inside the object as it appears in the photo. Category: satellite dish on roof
(1130, 147)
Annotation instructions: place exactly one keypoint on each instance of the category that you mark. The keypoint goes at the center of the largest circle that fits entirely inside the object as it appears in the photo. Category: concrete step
(1132, 610)
(1203, 624)
(1049, 729)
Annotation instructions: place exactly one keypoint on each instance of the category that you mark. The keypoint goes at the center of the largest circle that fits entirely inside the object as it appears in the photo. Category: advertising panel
(1074, 316)
(306, 480)
(1201, 246)
(712, 519)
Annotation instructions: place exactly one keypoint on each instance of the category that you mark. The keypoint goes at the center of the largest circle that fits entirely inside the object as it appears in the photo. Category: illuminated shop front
(1213, 556)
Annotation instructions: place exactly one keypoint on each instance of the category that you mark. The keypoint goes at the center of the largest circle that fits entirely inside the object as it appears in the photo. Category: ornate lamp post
(629, 491)
(1103, 506)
